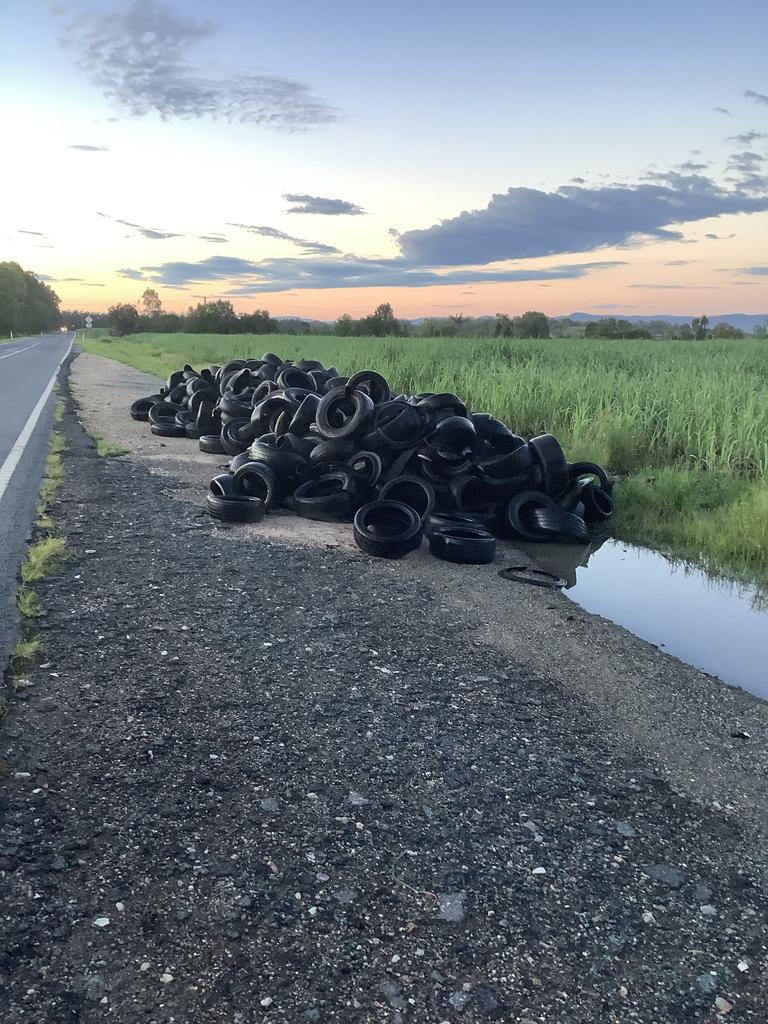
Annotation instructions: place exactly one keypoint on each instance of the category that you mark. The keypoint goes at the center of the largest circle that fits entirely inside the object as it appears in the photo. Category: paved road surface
(27, 368)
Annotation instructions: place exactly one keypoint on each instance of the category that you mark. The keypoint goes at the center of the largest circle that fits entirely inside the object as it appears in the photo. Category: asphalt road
(28, 367)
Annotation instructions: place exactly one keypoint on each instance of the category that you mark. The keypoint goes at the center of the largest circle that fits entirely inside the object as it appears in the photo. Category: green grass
(105, 450)
(24, 656)
(45, 557)
(690, 416)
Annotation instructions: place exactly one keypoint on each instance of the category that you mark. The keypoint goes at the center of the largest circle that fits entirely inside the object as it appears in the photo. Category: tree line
(27, 305)
(220, 317)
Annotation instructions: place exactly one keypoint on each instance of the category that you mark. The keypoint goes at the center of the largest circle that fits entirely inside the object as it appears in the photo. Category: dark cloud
(90, 149)
(747, 138)
(142, 58)
(277, 275)
(317, 204)
(676, 287)
(758, 97)
(525, 222)
(131, 275)
(718, 238)
(93, 284)
(309, 248)
(722, 110)
(153, 233)
(23, 231)
(213, 238)
(691, 167)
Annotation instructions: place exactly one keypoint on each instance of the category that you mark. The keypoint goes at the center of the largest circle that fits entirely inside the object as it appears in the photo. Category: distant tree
(217, 317)
(258, 322)
(150, 303)
(382, 323)
(760, 331)
(504, 326)
(123, 319)
(699, 327)
(27, 304)
(344, 326)
(532, 325)
(726, 330)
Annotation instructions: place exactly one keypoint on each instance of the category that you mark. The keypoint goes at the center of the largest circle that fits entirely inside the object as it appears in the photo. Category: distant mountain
(744, 321)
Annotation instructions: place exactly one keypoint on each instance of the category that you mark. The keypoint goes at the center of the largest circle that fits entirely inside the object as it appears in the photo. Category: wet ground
(717, 625)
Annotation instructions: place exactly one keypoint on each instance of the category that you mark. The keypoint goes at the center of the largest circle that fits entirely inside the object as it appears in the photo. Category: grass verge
(105, 450)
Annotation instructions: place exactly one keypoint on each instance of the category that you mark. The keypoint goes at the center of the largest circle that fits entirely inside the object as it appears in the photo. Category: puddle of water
(717, 625)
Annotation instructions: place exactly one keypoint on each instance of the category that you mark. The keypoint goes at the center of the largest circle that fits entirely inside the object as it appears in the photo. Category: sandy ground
(680, 717)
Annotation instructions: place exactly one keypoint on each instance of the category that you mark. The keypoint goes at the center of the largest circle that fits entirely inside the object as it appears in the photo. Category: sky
(315, 159)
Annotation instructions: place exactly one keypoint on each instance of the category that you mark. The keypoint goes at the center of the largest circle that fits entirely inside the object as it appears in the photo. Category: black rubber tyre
(508, 464)
(467, 545)
(211, 444)
(367, 466)
(140, 408)
(238, 509)
(387, 529)
(589, 471)
(239, 460)
(257, 480)
(287, 465)
(224, 485)
(374, 385)
(413, 491)
(515, 517)
(232, 440)
(472, 493)
(551, 458)
(446, 521)
(332, 453)
(167, 430)
(455, 439)
(341, 414)
(232, 405)
(164, 412)
(598, 504)
(331, 496)
(557, 524)
(193, 432)
(397, 425)
(293, 377)
(305, 415)
(446, 404)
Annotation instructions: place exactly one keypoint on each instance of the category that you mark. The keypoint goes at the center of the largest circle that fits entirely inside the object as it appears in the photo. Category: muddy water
(716, 625)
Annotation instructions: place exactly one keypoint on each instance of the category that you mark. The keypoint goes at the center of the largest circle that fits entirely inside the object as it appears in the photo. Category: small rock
(20, 776)
(742, 965)
(539, 871)
(702, 893)
(625, 829)
(120, 907)
(709, 911)
(266, 1001)
(344, 895)
(671, 876)
(101, 922)
(270, 805)
(166, 978)
(707, 983)
(144, 967)
(723, 1006)
(648, 917)
(741, 734)
(451, 905)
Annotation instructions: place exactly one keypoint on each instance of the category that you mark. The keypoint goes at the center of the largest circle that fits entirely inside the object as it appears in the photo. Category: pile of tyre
(328, 447)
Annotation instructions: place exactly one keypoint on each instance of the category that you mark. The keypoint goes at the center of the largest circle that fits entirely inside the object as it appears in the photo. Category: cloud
(45, 277)
(691, 167)
(676, 287)
(23, 231)
(141, 57)
(524, 222)
(213, 238)
(758, 97)
(93, 284)
(153, 233)
(722, 110)
(718, 238)
(310, 248)
(91, 149)
(131, 275)
(679, 263)
(747, 138)
(317, 204)
(277, 275)
(754, 271)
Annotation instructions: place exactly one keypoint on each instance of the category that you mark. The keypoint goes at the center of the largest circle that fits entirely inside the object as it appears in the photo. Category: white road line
(13, 457)
(18, 350)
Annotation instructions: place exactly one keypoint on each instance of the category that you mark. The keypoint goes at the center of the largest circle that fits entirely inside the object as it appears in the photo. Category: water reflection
(717, 625)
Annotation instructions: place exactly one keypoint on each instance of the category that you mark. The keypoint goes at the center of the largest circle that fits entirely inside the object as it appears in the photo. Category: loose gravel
(255, 781)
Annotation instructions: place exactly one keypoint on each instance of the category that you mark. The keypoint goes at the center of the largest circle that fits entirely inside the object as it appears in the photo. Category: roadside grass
(25, 654)
(105, 450)
(684, 423)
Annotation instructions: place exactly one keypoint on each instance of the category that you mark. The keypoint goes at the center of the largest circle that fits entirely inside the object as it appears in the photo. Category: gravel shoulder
(261, 776)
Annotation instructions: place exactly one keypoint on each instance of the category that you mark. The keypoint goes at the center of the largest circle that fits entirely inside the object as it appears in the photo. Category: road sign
(89, 321)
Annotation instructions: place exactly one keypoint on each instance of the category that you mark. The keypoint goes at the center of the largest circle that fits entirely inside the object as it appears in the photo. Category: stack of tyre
(329, 447)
